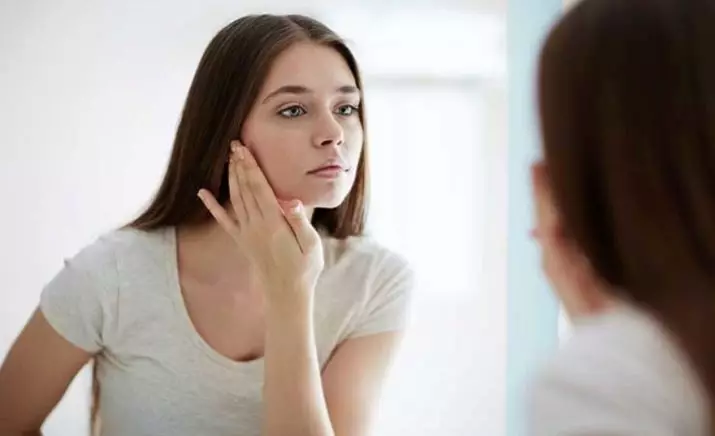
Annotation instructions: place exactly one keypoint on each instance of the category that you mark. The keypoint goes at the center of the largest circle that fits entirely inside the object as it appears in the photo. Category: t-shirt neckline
(174, 284)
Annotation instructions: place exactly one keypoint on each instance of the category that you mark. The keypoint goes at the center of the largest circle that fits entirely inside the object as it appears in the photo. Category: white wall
(90, 93)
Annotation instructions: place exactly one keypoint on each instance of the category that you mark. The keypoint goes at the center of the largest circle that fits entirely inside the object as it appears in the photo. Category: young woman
(626, 197)
(245, 299)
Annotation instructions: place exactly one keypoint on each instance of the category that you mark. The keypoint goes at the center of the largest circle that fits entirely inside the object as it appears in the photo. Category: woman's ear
(547, 220)
(567, 269)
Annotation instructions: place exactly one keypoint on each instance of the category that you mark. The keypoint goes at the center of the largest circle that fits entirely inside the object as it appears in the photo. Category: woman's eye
(347, 110)
(292, 112)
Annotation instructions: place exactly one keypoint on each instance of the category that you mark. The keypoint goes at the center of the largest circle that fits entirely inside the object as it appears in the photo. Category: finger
(260, 189)
(218, 212)
(285, 207)
(237, 200)
(246, 196)
(299, 222)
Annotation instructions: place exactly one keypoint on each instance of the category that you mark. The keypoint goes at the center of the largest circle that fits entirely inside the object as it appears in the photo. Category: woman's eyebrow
(300, 89)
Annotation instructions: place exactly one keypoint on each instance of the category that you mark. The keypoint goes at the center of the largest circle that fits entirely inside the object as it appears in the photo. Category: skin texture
(292, 130)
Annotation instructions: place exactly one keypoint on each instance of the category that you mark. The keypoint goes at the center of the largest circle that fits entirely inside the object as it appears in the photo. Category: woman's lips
(328, 172)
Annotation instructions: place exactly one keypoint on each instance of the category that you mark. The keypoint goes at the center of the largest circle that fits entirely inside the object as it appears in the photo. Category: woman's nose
(328, 131)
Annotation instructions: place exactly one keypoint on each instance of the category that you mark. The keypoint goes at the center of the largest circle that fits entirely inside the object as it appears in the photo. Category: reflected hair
(627, 110)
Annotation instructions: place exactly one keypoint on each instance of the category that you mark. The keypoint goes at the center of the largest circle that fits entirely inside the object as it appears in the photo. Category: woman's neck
(209, 255)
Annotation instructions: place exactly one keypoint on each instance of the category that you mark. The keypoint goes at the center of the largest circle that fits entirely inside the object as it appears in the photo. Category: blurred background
(90, 95)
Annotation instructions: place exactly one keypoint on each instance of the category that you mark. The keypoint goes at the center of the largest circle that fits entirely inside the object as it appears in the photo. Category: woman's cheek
(281, 180)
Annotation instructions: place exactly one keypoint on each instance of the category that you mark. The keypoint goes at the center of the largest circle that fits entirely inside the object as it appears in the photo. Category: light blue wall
(532, 313)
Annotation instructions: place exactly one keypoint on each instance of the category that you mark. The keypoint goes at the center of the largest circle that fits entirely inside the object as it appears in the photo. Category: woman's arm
(35, 375)
(294, 402)
(297, 401)
(353, 380)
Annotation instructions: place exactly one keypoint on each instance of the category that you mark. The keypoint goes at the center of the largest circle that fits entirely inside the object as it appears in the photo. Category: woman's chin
(323, 199)
(322, 202)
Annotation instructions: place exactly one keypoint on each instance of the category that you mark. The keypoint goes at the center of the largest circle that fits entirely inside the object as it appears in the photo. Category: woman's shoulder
(129, 238)
(364, 253)
(111, 250)
(622, 340)
(366, 283)
(619, 371)
(84, 295)
(126, 241)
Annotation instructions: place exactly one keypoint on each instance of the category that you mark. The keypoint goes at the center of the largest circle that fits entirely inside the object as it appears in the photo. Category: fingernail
(200, 194)
(297, 208)
(240, 153)
(234, 146)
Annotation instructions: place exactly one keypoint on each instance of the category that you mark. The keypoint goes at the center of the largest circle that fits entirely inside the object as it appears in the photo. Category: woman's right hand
(281, 244)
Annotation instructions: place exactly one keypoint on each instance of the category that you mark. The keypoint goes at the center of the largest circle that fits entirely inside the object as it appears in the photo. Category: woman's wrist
(289, 327)
(289, 302)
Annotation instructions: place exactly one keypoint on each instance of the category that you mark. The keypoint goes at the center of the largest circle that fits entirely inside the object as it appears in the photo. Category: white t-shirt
(620, 374)
(120, 298)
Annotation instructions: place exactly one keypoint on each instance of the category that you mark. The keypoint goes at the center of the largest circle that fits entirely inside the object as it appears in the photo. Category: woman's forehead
(318, 68)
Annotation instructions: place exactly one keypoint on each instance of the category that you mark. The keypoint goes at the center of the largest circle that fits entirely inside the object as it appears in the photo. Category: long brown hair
(627, 103)
(225, 86)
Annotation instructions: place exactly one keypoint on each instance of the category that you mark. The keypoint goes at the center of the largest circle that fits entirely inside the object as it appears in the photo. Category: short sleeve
(563, 406)
(387, 309)
(616, 376)
(74, 301)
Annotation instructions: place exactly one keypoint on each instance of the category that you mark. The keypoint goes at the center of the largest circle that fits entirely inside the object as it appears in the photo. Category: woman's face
(304, 128)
